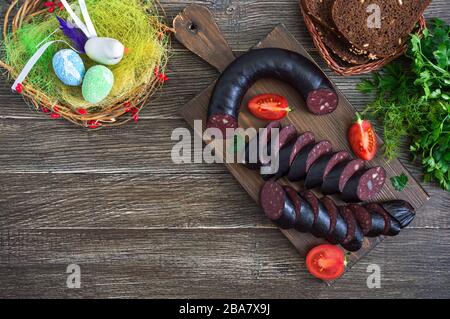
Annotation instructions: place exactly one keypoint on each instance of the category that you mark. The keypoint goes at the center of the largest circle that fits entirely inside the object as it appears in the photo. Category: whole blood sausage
(306, 158)
(365, 185)
(338, 177)
(304, 75)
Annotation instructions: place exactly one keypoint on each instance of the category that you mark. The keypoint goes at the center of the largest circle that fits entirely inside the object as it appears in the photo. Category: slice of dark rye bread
(320, 10)
(320, 13)
(398, 18)
(340, 47)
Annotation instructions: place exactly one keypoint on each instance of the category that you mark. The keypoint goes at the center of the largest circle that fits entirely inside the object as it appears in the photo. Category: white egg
(105, 51)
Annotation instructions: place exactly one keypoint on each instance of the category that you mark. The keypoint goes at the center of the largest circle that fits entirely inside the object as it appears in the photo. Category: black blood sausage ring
(305, 76)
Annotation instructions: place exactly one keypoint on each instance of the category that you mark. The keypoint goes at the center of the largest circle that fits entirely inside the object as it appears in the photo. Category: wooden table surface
(113, 202)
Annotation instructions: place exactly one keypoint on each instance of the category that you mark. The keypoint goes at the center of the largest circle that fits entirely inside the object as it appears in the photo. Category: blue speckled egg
(69, 67)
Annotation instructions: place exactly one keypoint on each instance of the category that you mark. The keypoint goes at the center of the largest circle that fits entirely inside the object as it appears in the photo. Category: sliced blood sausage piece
(357, 242)
(262, 141)
(289, 215)
(322, 220)
(321, 149)
(223, 122)
(283, 163)
(298, 169)
(375, 208)
(392, 226)
(363, 218)
(340, 231)
(303, 140)
(378, 225)
(322, 101)
(306, 158)
(276, 205)
(401, 211)
(350, 220)
(314, 177)
(364, 186)
(293, 196)
(349, 171)
(320, 170)
(337, 159)
(266, 135)
(354, 239)
(323, 224)
(339, 175)
(305, 214)
(286, 136)
(333, 212)
(249, 157)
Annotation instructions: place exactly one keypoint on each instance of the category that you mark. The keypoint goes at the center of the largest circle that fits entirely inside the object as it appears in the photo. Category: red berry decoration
(19, 88)
(82, 111)
(93, 124)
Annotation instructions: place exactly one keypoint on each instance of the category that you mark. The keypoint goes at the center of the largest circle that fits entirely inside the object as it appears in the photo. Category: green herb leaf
(399, 182)
(412, 101)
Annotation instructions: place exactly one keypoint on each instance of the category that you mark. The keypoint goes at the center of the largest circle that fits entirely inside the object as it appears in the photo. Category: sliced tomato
(326, 262)
(362, 138)
(269, 107)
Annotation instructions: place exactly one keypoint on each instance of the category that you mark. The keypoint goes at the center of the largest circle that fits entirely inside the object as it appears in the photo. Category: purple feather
(75, 34)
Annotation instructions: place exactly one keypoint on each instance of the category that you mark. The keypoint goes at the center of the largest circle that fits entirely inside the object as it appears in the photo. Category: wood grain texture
(200, 264)
(69, 195)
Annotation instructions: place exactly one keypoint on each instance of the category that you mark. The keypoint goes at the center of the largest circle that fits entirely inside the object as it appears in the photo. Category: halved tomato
(326, 262)
(362, 139)
(269, 107)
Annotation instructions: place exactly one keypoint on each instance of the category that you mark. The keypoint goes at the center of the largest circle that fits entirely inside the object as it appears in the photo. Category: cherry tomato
(363, 141)
(269, 107)
(326, 262)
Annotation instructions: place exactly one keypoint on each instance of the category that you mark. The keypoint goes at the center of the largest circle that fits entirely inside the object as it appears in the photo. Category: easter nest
(138, 24)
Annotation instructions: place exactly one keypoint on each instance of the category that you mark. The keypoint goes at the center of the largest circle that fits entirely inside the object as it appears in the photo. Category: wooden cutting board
(196, 29)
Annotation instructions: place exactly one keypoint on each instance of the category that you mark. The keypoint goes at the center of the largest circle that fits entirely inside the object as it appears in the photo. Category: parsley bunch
(413, 101)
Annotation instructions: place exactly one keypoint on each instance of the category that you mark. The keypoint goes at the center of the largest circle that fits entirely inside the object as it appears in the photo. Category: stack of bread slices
(360, 31)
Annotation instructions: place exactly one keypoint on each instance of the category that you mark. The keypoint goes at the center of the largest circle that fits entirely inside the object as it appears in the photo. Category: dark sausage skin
(295, 69)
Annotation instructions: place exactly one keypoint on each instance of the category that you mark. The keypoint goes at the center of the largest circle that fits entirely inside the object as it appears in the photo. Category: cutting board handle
(197, 30)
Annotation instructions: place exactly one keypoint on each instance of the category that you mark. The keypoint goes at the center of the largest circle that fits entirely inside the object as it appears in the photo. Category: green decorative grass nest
(138, 24)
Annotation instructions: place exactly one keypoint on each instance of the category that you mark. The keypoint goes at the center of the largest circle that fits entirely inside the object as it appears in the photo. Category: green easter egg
(97, 84)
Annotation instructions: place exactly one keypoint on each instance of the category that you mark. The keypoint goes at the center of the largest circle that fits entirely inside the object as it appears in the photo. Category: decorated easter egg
(105, 51)
(97, 84)
(69, 67)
